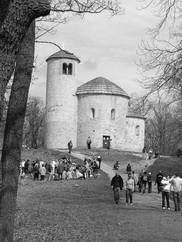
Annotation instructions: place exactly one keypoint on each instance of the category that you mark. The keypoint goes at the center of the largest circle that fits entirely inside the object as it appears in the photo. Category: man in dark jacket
(158, 180)
(70, 146)
(117, 184)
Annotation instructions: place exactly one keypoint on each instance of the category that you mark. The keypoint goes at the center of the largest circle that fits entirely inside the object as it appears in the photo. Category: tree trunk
(11, 153)
(4, 5)
(16, 19)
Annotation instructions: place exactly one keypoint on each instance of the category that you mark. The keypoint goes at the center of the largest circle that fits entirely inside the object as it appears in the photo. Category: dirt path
(146, 200)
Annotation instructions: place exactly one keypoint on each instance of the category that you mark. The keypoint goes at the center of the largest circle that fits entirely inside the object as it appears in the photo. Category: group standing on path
(165, 185)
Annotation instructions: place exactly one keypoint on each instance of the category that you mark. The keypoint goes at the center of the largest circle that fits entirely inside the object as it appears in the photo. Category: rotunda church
(98, 108)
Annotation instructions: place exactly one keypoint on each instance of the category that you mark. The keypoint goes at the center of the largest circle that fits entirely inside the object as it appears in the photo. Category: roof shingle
(63, 54)
(131, 114)
(101, 85)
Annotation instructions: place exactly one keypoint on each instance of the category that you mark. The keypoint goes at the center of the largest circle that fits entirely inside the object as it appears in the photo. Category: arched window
(70, 69)
(113, 114)
(92, 113)
(64, 68)
(137, 130)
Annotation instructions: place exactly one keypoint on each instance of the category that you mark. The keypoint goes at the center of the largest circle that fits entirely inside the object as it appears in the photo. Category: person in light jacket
(176, 188)
(129, 189)
(166, 186)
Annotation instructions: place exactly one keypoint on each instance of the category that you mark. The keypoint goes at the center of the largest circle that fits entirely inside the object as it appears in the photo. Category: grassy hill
(168, 166)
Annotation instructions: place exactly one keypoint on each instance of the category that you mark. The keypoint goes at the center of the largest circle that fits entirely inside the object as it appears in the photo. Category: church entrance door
(106, 142)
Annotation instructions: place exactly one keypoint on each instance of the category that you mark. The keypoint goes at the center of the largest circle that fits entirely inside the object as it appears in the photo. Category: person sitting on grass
(95, 169)
(79, 175)
(129, 189)
(117, 184)
(116, 165)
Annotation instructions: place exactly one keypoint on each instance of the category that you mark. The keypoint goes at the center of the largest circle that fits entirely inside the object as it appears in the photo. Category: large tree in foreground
(13, 135)
(14, 25)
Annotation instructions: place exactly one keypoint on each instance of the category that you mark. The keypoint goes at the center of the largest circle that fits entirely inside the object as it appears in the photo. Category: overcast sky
(107, 46)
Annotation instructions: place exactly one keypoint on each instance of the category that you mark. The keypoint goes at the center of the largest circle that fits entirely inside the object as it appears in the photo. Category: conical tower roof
(63, 54)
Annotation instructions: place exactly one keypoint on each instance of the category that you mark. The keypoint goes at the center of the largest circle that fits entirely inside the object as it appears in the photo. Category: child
(129, 189)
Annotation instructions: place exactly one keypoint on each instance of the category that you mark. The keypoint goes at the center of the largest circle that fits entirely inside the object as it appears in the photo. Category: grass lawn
(83, 210)
(43, 154)
(168, 166)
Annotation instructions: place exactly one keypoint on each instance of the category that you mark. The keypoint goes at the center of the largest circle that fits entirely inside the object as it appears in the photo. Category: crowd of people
(169, 187)
(63, 169)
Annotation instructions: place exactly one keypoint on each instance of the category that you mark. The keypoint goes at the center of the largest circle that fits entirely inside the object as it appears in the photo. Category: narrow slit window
(137, 130)
(92, 114)
(113, 113)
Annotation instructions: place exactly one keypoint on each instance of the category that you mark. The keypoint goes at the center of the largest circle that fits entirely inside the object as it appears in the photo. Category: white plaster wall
(132, 141)
(102, 124)
(61, 105)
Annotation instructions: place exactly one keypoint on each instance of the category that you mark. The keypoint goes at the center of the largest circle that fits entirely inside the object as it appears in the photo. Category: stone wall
(134, 136)
(102, 124)
(61, 105)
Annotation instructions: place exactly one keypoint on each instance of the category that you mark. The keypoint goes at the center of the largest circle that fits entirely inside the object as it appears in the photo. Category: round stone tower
(61, 100)
(102, 110)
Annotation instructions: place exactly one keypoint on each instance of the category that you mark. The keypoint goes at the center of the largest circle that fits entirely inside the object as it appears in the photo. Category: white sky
(107, 46)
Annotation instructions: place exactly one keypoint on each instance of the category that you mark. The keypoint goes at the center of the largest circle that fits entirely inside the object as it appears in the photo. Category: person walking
(150, 154)
(149, 182)
(99, 159)
(70, 146)
(89, 142)
(140, 184)
(128, 168)
(144, 151)
(135, 178)
(176, 187)
(165, 192)
(144, 181)
(129, 189)
(60, 169)
(117, 184)
(158, 181)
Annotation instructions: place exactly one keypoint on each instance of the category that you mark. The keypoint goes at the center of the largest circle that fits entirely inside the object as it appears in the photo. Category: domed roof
(101, 85)
(63, 54)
